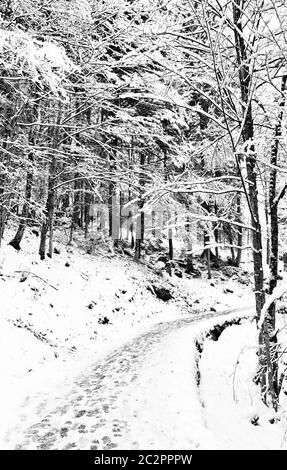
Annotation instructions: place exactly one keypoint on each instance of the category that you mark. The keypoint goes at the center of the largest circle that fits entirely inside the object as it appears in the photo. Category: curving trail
(143, 395)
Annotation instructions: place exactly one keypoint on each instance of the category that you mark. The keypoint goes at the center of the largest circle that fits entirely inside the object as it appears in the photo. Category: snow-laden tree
(241, 75)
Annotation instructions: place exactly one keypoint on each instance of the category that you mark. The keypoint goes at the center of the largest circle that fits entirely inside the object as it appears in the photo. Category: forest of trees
(144, 102)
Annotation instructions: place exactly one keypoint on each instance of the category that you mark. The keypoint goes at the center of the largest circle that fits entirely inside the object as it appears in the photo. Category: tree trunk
(6, 134)
(50, 204)
(76, 215)
(189, 258)
(266, 210)
(16, 241)
(87, 205)
(140, 225)
(216, 237)
(121, 215)
(139, 234)
(112, 189)
(273, 265)
(153, 223)
(169, 231)
(49, 213)
(207, 254)
(230, 241)
(267, 389)
(3, 216)
(170, 245)
(131, 229)
(240, 233)
(110, 206)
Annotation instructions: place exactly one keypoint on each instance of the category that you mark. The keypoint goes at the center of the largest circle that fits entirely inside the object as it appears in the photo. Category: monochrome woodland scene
(143, 224)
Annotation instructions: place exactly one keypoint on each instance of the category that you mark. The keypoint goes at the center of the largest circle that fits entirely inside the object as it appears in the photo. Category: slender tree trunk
(50, 204)
(169, 232)
(273, 210)
(76, 215)
(240, 233)
(49, 211)
(265, 366)
(112, 188)
(130, 233)
(82, 205)
(189, 258)
(122, 219)
(3, 208)
(140, 225)
(6, 133)
(16, 241)
(139, 234)
(170, 245)
(266, 210)
(3, 215)
(216, 237)
(131, 214)
(153, 223)
(230, 241)
(207, 253)
(87, 205)
(51, 225)
(248, 134)
(131, 226)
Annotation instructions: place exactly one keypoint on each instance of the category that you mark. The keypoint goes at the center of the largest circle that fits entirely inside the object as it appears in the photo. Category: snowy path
(143, 395)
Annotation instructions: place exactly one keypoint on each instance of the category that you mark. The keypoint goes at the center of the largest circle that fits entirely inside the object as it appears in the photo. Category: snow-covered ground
(89, 325)
(143, 395)
(233, 411)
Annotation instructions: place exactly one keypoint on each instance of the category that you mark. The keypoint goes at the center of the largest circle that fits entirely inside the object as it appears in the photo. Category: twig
(36, 275)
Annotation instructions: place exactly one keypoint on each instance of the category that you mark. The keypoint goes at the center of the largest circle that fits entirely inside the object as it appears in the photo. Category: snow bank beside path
(230, 397)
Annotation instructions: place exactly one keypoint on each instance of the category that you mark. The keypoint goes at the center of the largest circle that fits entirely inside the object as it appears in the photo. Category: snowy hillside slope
(61, 314)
